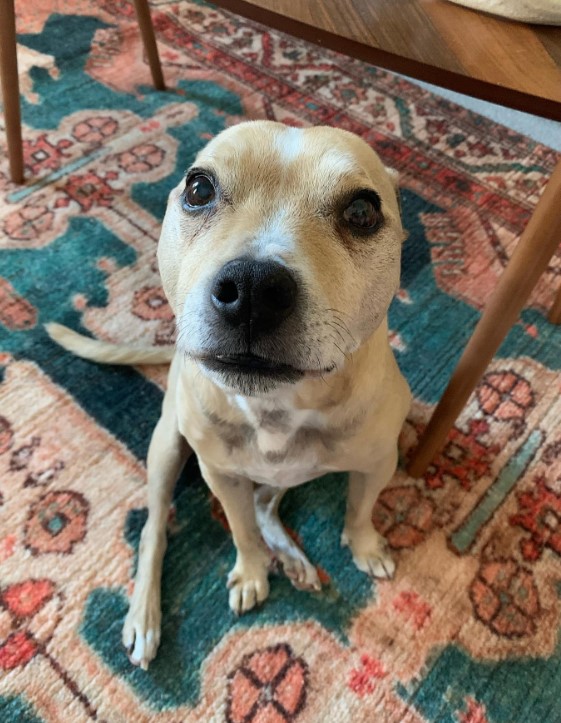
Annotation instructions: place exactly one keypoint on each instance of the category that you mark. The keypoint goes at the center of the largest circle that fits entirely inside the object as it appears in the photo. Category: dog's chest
(279, 446)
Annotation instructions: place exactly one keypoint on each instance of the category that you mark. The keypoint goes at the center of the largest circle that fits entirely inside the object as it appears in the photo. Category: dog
(279, 255)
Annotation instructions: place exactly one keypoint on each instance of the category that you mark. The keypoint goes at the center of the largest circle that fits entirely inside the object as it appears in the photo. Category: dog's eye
(199, 191)
(363, 212)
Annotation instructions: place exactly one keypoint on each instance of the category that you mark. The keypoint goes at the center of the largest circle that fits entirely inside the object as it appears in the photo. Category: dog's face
(280, 253)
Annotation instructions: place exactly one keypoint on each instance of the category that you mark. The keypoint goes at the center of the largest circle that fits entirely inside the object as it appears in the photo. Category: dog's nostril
(277, 295)
(226, 292)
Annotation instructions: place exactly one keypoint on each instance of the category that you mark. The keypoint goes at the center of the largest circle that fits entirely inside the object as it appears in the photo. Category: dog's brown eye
(363, 212)
(199, 191)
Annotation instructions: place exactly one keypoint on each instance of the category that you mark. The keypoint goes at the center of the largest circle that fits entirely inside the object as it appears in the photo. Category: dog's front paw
(370, 552)
(141, 630)
(248, 585)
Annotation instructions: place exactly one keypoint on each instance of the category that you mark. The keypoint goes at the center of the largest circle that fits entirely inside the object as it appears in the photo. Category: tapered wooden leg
(10, 88)
(149, 40)
(531, 257)
(555, 312)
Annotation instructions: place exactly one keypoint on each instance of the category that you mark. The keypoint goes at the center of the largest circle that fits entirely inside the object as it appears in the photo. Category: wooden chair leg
(149, 40)
(10, 88)
(554, 315)
(531, 257)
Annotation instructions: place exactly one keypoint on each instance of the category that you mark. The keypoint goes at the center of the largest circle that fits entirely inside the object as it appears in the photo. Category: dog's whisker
(320, 369)
(344, 328)
(346, 355)
(337, 331)
(338, 321)
(339, 312)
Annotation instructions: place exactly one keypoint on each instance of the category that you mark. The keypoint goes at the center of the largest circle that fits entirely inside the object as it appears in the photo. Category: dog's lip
(254, 364)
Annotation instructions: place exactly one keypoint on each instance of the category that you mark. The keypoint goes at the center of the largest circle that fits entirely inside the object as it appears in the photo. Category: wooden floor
(503, 61)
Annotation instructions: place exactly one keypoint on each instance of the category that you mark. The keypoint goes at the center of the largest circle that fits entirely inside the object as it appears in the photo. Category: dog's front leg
(167, 454)
(369, 548)
(247, 580)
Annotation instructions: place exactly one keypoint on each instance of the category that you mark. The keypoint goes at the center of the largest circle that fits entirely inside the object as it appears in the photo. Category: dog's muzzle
(251, 312)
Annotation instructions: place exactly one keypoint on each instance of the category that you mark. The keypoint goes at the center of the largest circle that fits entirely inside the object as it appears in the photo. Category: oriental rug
(468, 630)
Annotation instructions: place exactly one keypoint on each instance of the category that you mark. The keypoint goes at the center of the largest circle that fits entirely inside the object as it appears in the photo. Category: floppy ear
(394, 178)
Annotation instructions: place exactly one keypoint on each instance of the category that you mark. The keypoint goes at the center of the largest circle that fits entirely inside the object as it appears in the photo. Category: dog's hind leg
(368, 547)
(167, 454)
(299, 570)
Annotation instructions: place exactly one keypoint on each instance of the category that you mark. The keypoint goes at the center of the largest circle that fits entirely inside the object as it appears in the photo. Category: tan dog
(280, 254)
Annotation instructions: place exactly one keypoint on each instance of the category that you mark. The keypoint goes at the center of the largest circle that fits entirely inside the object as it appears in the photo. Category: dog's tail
(105, 353)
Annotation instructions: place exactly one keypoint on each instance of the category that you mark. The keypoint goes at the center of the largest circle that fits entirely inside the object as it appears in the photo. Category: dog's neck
(335, 399)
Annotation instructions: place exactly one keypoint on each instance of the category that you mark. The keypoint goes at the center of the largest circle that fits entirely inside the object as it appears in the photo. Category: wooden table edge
(501, 95)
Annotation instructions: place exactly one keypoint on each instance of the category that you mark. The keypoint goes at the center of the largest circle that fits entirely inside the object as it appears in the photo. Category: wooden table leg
(149, 40)
(537, 245)
(10, 88)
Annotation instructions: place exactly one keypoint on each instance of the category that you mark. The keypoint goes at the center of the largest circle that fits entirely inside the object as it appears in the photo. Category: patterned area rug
(468, 631)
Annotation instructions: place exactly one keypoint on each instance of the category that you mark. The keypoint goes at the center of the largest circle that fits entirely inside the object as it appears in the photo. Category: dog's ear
(394, 178)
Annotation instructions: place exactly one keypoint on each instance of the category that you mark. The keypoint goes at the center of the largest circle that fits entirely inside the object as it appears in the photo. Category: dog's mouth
(252, 365)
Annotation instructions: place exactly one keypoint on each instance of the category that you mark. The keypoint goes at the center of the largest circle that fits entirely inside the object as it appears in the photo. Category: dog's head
(280, 253)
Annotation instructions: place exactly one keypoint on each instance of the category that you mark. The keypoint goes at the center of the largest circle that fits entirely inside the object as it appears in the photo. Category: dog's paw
(300, 571)
(141, 632)
(370, 552)
(248, 585)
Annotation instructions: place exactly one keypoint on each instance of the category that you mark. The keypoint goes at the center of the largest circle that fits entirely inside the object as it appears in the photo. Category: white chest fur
(289, 446)
(276, 424)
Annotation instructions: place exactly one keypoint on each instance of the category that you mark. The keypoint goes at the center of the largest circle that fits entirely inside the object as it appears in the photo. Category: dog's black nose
(261, 294)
